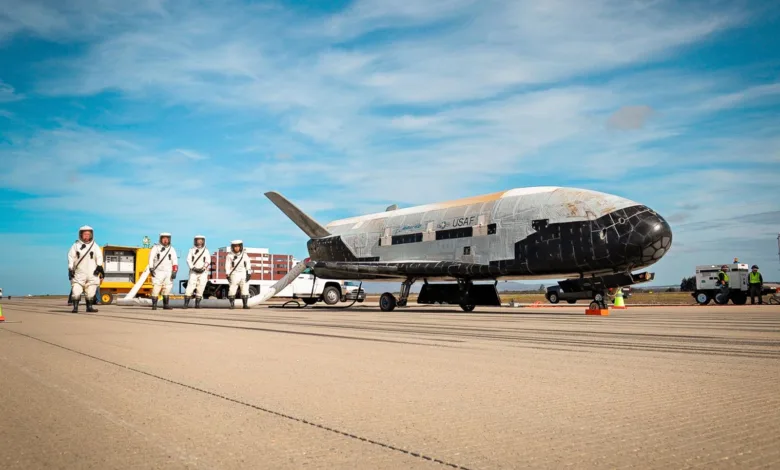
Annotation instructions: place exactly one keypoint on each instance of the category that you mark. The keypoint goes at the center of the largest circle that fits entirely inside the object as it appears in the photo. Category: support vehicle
(267, 270)
(708, 289)
(557, 293)
(123, 266)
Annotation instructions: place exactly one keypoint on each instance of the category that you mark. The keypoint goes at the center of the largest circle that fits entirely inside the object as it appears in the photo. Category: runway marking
(249, 405)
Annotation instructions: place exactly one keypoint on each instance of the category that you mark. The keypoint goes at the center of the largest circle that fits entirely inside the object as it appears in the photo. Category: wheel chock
(597, 311)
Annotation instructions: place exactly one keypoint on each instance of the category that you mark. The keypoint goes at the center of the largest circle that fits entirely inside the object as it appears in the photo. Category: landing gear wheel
(739, 298)
(331, 295)
(553, 298)
(253, 291)
(702, 298)
(106, 298)
(387, 302)
(467, 307)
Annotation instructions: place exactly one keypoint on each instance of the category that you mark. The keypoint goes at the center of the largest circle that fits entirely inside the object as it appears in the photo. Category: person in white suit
(163, 266)
(239, 270)
(198, 260)
(85, 268)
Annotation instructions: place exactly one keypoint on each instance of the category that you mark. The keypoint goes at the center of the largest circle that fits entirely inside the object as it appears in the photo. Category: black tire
(467, 307)
(309, 300)
(553, 298)
(594, 306)
(387, 302)
(721, 299)
(253, 291)
(739, 298)
(331, 295)
(106, 298)
(702, 298)
(572, 301)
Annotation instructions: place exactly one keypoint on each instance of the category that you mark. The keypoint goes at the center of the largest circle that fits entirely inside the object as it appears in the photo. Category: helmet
(165, 234)
(754, 267)
(240, 243)
(725, 266)
(85, 228)
(195, 240)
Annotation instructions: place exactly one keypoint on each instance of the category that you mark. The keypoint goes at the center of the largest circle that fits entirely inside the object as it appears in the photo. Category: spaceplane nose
(654, 235)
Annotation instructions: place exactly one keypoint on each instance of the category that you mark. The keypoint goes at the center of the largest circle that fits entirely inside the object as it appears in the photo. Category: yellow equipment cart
(123, 266)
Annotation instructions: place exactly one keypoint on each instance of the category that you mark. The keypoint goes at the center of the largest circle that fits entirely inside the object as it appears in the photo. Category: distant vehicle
(1, 292)
(556, 293)
(707, 288)
(268, 269)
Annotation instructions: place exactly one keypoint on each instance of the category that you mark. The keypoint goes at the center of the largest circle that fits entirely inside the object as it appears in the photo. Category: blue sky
(149, 116)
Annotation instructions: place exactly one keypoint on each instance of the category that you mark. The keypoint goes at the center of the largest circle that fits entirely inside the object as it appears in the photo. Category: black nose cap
(656, 235)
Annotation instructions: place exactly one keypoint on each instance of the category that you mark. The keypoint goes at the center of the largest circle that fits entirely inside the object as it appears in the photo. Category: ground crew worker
(723, 281)
(755, 285)
(723, 278)
(238, 268)
(85, 268)
(198, 260)
(163, 266)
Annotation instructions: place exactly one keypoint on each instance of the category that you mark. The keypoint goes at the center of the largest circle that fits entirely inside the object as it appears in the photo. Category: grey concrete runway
(678, 387)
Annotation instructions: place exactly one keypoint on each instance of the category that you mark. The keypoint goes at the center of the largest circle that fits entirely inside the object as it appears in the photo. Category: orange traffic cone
(2, 318)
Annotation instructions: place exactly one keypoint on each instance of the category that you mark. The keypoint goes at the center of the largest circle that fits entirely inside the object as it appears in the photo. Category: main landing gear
(388, 302)
(461, 294)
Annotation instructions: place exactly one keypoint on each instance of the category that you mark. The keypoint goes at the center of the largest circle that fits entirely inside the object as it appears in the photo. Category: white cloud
(8, 93)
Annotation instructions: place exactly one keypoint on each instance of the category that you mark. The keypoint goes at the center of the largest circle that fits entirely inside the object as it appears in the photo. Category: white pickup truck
(330, 291)
(304, 287)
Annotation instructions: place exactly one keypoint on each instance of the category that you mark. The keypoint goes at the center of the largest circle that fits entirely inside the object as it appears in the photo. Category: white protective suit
(238, 267)
(163, 263)
(85, 267)
(198, 260)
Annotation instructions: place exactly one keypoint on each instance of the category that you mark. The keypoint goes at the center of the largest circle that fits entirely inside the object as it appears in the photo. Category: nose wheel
(598, 301)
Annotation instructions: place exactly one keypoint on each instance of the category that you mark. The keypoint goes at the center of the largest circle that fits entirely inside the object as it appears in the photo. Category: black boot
(75, 306)
(197, 302)
(166, 299)
(154, 303)
(232, 299)
(187, 301)
(90, 308)
(245, 299)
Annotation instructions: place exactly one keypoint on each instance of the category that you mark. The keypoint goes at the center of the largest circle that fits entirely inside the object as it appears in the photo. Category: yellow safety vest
(725, 276)
(754, 278)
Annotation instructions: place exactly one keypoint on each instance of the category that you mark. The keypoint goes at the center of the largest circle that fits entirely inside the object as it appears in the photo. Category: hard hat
(165, 234)
(237, 242)
(725, 266)
(754, 267)
(199, 236)
(195, 239)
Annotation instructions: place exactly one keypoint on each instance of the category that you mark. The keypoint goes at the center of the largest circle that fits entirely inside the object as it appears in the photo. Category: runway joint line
(249, 405)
